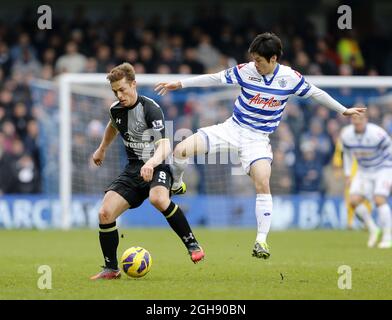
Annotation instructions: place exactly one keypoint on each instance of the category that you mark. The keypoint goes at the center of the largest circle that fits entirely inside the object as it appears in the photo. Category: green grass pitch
(303, 265)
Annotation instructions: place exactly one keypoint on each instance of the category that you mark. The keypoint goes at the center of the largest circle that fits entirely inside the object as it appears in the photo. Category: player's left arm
(385, 142)
(156, 122)
(305, 89)
(225, 77)
(325, 99)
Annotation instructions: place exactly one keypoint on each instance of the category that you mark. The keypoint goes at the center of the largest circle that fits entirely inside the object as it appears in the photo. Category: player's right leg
(384, 213)
(160, 199)
(193, 145)
(112, 207)
(260, 172)
(357, 202)
(220, 137)
(382, 189)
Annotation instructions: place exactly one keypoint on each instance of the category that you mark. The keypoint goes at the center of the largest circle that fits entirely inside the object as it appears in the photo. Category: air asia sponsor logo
(265, 102)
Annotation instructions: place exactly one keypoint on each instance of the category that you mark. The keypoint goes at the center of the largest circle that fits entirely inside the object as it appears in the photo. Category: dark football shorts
(131, 186)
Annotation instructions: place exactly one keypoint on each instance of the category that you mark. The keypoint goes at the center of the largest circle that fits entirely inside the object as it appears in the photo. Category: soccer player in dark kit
(140, 122)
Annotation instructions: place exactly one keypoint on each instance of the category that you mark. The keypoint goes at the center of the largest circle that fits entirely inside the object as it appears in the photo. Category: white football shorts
(249, 144)
(369, 184)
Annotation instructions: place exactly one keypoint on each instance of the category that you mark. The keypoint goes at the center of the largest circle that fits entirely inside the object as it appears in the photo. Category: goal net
(73, 113)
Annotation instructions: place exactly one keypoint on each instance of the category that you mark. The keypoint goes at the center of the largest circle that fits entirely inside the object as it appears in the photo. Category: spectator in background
(374, 114)
(72, 61)
(326, 58)
(308, 170)
(295, 119)
(163, 69)
(319, 140)
(91, 65)
(31, 142)
(47, 73)
(184, 69)
(26, 66)
(20, 118)
(281, 177)
(301, 62)
(350, 52)
(49, 57)
(167, 58)
(130, 55)
(146, 58)
(3, 116)
(104, 61)
(207, 54)
(27, 175)
(24, 45)
(191, 60)
(9, 136)
(5, 168)
(5, 59)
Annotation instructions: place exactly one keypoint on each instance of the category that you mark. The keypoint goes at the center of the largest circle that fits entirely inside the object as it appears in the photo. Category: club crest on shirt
(282, 82)
(127, 136)
(157, 125)
(139, 125)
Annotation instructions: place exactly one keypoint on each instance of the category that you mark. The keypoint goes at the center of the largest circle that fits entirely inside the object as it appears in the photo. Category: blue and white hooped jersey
(262, 99)
(372, 149)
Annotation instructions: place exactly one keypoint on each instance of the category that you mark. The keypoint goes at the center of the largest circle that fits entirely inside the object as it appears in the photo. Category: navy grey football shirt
(140, 126)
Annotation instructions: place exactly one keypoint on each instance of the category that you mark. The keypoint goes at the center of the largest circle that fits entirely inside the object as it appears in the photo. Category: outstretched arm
(325, 99)
(198, 81)
(108, 136)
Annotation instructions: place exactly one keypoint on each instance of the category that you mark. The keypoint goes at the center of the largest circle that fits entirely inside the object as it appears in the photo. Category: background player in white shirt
(265, 88)
(371, 146)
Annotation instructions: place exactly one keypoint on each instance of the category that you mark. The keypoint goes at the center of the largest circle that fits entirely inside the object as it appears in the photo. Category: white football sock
(363, 212)
(384, 212)
(263, 216)
(178, 168)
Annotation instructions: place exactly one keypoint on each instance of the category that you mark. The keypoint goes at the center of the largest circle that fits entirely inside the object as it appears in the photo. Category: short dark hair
(124, 70)
(266, 45)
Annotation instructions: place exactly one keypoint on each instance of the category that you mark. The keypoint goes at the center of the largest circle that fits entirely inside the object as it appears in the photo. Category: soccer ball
(136, 262)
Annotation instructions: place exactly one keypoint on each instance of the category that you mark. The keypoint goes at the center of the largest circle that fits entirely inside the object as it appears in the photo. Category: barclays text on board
(43, 212)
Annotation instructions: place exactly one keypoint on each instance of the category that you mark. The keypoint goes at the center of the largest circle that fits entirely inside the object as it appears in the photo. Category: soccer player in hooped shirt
(266, 86)
(140, 122)
(371, 146)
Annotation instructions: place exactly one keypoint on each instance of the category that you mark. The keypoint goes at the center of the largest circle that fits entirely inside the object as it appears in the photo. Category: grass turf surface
(303, 265)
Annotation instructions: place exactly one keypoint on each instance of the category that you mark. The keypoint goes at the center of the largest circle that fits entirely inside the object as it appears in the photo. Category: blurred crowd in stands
(304, 143)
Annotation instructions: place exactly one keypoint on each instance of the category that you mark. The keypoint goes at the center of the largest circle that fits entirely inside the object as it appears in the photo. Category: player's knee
(262, 186)
(179, 152)
(355, 201)
(105, 216)
(380, 200)
(159, 201)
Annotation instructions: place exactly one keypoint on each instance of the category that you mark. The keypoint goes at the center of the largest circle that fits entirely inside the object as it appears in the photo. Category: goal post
(66, 82)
